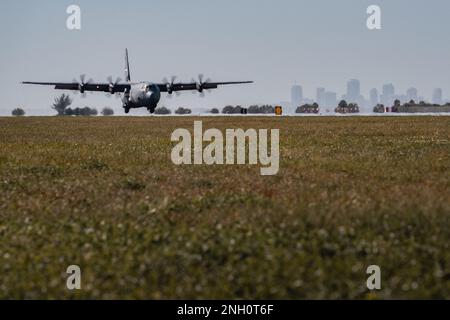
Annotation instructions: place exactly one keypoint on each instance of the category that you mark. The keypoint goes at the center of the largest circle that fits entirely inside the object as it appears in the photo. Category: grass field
(102, 193)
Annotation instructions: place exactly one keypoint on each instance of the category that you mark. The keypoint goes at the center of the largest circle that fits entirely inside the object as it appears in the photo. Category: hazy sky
(313, 42)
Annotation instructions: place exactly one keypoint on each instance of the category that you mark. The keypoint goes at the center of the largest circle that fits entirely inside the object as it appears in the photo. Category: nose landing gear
(126, 100)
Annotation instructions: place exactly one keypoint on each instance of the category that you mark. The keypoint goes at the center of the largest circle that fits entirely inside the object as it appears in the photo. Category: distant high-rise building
(296, 96)
(387, 97)
(320, 96)
(437, 96)
(330, 100)
(353, 90)
(411, 94)
(374, 99)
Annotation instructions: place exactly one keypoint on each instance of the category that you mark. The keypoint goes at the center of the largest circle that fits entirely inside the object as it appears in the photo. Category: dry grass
(102, 193)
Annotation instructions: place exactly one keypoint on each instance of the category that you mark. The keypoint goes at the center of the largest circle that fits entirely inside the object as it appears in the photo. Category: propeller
(112, 86)
(82, 84)
(170, 86)
(200, 85)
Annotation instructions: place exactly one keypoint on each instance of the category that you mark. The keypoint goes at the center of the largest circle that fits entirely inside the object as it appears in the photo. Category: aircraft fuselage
(142, 94)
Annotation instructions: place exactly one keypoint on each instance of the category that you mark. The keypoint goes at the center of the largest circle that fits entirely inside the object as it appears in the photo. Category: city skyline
(386, 96)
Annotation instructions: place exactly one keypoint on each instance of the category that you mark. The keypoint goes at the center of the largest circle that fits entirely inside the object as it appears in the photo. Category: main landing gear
(151, 109)
(127, 109)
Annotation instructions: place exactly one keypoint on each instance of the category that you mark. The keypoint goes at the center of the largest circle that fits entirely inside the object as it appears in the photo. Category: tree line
(253, 109)
(380, 108)
(63, 102)
(61, 105)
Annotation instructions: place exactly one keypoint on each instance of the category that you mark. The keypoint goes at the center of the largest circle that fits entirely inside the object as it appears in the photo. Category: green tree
(343, 104)
(92, 111)
(228, 110)
(254, 109)
(61, 103)
(107, 111)
(18, 112)
(379, 108)
(266, 109)
(86, 111)
(232, 110)
(162, 110)
(182, 110)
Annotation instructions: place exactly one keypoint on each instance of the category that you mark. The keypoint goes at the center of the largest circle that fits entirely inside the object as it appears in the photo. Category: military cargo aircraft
(137, 94)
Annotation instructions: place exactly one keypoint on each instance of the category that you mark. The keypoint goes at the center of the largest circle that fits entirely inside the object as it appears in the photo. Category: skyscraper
(437, 96)
(320, 96)
(296, 96)
(411, 94)
(387, 97)
(374, 97)
(353, 90)
(330, 100)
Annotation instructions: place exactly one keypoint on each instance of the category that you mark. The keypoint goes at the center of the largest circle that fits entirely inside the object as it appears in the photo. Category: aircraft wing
(91, 86)
(180, 86)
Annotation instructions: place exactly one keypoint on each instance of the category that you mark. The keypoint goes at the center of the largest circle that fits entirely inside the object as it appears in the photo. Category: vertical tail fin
(127, 67)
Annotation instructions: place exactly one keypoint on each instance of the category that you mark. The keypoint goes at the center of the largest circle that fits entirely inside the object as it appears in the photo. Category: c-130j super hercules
(139, 94)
